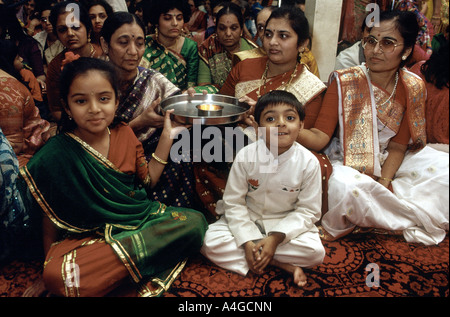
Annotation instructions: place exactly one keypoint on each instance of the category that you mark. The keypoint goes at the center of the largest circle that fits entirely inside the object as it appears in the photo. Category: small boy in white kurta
(272, 199)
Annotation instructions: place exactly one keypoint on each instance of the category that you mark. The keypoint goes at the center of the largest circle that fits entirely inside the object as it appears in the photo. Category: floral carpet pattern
(353, 267)
(405, 269)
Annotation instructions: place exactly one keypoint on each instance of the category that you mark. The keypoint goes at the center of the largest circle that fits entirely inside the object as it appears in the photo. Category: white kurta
(349, 57)
(118, 5)
(265, 194)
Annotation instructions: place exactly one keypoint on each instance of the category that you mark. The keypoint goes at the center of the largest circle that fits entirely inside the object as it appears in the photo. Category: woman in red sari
(435, 74)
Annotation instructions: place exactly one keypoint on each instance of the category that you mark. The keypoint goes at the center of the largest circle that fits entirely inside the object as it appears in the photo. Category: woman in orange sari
(287, 31)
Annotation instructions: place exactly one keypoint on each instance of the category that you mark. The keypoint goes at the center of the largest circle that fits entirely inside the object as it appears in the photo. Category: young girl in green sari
(100, 229)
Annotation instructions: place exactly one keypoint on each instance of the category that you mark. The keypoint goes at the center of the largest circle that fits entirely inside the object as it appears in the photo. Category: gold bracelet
(386, 179)
(159, 160)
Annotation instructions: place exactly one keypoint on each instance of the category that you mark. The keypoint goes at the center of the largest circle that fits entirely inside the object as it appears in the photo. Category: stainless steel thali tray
(209, 109)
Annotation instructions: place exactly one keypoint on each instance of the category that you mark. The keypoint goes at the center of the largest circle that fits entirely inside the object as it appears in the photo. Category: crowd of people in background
(85, 165)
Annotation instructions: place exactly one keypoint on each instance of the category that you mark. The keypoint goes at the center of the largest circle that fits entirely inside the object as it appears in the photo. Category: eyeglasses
(386, 45)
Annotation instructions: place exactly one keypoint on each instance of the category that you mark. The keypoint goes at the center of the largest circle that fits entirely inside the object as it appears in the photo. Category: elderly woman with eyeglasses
(384, 176)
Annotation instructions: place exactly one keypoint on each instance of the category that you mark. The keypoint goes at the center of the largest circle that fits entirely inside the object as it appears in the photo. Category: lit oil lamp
(209, 110)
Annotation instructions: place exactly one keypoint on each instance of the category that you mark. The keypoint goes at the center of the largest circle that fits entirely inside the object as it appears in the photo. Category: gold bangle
(159, 160)
(386, 179)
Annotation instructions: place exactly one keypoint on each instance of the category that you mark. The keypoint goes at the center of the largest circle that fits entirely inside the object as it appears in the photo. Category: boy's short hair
(276, 97)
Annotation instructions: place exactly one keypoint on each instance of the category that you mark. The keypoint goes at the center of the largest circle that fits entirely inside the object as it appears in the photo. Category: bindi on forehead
(277, 30)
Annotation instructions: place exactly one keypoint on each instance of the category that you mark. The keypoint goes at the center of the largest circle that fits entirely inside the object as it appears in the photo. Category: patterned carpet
(405, 270)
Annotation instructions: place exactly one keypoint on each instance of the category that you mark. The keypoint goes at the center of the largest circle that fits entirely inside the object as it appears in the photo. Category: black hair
(43, 5)
(231, 8)
(277, 97)
(198, 3)
(406, 23)
(108, 9)
(436, 69)
(10, 27)
(297, 20)
(60, 8)
(8, 52)
(116, 20)
(154, 11)
(292, 2)
(74, 69)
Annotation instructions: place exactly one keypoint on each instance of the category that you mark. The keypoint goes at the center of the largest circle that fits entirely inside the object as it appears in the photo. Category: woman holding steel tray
(142, 89)
(286, 34)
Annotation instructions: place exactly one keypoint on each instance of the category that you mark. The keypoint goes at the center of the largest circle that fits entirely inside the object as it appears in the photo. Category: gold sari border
(305, 86)
(45, 206)
(70, 275)
(97, 155)
(123, 254)
(417, 95)
(165, 285)
(356, 120)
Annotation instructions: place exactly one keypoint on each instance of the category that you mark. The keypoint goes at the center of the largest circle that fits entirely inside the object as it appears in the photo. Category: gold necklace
(263, 82)
(92, 52)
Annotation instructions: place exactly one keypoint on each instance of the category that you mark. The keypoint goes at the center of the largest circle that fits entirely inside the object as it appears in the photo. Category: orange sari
(245, 80)
(20, 120)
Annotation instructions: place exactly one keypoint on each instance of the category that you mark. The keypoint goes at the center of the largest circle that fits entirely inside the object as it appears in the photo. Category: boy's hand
(249, 247)
(265, 249)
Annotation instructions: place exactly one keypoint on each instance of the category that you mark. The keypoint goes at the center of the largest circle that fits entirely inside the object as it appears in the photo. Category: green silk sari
(81, 191)
(181, 70)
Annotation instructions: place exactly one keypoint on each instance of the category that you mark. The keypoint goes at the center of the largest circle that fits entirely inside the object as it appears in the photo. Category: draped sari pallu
(358, 113)
(151, 240)
(173, 187)
(218, 62)
(305, 86)
(171, 64)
